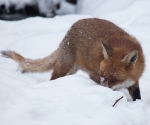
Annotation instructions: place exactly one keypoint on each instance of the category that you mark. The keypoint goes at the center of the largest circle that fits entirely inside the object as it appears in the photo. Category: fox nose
(105, 84)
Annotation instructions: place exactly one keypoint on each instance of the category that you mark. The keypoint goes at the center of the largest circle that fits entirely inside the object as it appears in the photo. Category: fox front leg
(135, 91)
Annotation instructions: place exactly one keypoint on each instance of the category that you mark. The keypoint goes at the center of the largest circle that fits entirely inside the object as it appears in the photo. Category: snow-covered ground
(31, 99)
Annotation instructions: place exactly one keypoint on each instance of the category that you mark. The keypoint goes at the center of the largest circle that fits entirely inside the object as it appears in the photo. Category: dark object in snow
(117, 101)
(11, 13)
(72, 1)
(43, 9)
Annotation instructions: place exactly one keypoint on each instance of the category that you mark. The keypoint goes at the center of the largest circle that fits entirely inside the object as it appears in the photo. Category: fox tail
(30, 65)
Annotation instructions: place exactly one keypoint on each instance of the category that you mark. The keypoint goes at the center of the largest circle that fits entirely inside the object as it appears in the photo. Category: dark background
(28, 10)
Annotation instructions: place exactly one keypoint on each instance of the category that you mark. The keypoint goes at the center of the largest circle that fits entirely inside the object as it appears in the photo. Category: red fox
(110, 56)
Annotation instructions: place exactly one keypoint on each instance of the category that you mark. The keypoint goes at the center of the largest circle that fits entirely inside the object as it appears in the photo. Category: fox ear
(107, 50)
(131, 58)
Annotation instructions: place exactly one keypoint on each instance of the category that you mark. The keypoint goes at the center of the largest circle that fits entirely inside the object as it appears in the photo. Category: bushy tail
(29, 65)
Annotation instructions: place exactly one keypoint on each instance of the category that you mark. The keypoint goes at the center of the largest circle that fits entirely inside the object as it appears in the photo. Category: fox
(112, 57)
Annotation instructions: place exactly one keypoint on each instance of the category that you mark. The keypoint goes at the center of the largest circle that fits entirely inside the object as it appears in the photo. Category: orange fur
(98, 47)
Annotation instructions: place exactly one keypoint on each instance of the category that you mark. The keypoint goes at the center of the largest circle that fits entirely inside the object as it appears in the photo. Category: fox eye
(113, 80)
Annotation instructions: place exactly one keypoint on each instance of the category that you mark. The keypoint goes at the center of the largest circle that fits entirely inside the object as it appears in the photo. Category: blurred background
(21, 9)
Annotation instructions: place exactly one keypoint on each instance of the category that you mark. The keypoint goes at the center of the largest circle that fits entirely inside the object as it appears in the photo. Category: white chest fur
(126, 84)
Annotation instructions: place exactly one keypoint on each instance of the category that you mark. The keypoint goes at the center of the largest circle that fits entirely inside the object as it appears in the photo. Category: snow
(31, 99)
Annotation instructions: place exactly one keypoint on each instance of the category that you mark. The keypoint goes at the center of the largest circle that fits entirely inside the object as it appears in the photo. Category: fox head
(117, 68)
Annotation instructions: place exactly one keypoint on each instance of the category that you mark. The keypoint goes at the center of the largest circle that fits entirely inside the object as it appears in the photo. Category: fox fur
(110, 56)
